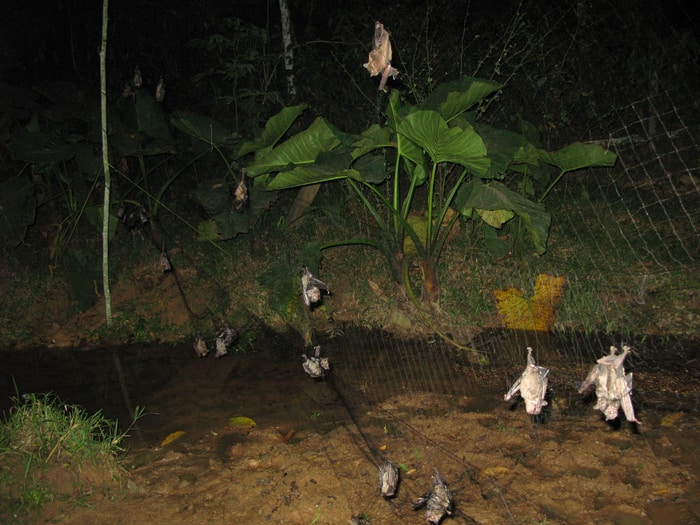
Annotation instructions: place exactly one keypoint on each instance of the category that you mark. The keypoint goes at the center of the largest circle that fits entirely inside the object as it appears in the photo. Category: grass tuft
(44, 443)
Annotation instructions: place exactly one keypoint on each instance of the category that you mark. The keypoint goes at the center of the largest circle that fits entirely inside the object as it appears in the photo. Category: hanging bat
(613, 388)
(532, 385)
(439, 502)
(316, 366)
(138, 79)
(380, 57)
(224, 340)
(241, 193)
(200, 346)
(311, 287)
(388, 479)
(160, 90)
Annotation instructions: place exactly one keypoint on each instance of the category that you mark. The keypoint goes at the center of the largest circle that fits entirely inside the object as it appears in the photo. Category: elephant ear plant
(461, 167)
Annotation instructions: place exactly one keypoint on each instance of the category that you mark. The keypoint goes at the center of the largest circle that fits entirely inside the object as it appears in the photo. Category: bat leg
(385, 77)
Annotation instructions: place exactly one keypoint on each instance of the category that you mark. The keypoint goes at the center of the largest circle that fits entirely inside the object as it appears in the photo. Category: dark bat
(380, 57)
(224, 340)
(200, 346)
(438, 503)
(388, 479)
(315, 366)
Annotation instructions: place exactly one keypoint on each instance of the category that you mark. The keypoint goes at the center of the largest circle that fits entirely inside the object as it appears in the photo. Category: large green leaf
(503, 148)
(206, 129)
(333, 165)
(301, 149)
(151, 121)
(463, 146)
(227, 220)
(275, 128)
(494, 196)
(454, 98)
(42, 146)
(373, 138)
(578, 155)
(371, 168)
(327, 166)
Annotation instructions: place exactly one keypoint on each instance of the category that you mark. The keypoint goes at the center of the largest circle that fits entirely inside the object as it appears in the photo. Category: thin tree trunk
(105, 164)
(287, 45)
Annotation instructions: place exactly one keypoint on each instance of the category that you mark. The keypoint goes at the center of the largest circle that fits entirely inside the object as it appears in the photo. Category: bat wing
(590, 379)
(305, 294)
(313, 282)
(626, 400)
(513, 389)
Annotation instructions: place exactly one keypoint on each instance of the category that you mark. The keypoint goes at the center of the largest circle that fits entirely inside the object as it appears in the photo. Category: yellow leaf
(670, 420)
(535, 313)
(172, 437)
(241, 421)
(418, 223)
(495, 471)
(495, 218)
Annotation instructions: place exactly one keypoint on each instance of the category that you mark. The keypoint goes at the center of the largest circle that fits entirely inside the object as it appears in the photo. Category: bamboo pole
(105, 165)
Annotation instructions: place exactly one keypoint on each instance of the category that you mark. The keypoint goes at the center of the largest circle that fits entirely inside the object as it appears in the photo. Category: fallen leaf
(495, 471)
(241, 421)
(670, 420)
(172, 437)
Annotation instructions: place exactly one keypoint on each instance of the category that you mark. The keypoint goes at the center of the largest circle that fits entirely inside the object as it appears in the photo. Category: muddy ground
(312, 455)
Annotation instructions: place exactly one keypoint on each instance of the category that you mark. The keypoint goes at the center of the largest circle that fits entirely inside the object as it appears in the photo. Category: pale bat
(613, 388)
(379, 60)
(532, 385)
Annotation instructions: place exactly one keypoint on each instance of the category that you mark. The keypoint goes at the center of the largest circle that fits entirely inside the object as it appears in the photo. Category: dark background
(433, 42)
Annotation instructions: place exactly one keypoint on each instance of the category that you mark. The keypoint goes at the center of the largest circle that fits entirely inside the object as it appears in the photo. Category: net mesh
(626, 238)
(625, 77)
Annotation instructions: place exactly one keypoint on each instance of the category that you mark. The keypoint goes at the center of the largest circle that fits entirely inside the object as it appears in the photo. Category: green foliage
(60, 144)
(216, 196)
(439, 147)
(39, 432)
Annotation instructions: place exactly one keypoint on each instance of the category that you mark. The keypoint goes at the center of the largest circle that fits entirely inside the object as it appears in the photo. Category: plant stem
(105, 164)
(549, 188)
(429, 222)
